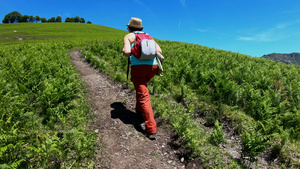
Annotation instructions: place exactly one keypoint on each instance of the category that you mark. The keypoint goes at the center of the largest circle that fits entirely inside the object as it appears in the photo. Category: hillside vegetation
(255, 98)
(209, 96)
(43, 104)
(45, 32)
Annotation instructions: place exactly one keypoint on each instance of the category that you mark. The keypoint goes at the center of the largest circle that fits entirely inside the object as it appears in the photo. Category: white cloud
(246, 38)
(279, 32)
(268, 36)
(179, 24)
(201, 30)
(287, 24)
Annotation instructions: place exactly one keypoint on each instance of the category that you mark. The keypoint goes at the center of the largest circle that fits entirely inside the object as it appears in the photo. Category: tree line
(16, 17)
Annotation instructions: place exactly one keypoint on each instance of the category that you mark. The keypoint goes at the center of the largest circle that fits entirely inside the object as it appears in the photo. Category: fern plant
(253, 144)
(217, 137)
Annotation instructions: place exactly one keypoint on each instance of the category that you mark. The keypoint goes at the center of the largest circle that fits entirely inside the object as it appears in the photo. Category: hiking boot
(143, 126)
(140, 127)
(151, 136)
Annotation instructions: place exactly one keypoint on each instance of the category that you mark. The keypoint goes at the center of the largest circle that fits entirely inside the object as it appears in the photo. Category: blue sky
(252, 27)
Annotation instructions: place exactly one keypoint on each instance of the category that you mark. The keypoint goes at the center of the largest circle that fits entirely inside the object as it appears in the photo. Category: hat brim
(135, 26)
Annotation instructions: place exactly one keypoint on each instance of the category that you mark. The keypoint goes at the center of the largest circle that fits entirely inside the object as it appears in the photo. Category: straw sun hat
(135, 23)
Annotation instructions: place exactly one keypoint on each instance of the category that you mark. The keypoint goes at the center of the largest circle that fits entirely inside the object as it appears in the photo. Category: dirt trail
(114, 121)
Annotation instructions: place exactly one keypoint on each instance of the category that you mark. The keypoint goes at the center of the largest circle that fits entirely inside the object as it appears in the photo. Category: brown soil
(123, 144)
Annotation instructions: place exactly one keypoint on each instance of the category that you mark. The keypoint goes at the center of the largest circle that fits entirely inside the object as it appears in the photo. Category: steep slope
(200, 87)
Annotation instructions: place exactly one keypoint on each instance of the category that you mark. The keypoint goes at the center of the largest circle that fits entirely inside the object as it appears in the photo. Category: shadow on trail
(127, 116)
(131, 118)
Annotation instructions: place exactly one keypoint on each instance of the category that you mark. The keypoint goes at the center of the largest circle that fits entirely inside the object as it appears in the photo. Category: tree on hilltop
(5, 20)
(16, 17)
(44, 20)
(13, 17)
(37, 18)
(77, 19)
(31, 19)
(51, 19)
(58, 19)
(69, 19)
(82, 20)
(25, 18)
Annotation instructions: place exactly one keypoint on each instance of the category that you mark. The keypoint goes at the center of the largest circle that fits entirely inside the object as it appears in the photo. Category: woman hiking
(142, 71)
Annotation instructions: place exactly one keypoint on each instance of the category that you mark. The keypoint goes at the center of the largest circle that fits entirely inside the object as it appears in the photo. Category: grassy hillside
(210, 96)
(44, 109)
(39, 32)
(216, 100)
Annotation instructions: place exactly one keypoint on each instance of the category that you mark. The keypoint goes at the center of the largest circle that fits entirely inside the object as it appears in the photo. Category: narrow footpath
(123, 144)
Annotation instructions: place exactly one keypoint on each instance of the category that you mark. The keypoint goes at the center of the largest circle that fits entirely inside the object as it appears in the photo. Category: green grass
(44, 110)
(41, 95)
(56, 31)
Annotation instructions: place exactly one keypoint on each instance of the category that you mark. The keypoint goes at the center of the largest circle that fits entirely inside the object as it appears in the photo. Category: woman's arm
(127, 47)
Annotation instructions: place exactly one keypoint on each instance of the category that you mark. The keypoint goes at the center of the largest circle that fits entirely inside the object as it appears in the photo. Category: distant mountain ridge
(292, 58)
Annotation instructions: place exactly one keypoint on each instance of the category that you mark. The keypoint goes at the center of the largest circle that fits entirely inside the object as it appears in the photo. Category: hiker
(141, 73)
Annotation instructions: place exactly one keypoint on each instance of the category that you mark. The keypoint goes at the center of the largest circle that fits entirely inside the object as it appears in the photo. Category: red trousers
(140, 76)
